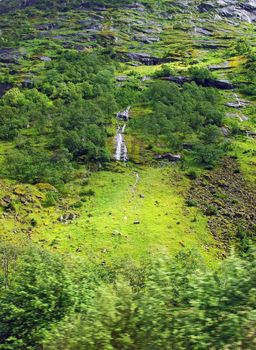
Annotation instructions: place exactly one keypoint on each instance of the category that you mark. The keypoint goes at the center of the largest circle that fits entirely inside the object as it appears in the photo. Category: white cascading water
(121, 153)
(121, 149)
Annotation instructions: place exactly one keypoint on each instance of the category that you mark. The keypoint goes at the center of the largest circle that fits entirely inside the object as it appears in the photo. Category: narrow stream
(121, 149)
(121, 153)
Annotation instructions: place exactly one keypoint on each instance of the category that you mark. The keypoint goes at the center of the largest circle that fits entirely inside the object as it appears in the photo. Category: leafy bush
(200, 74)
(191, 203)
(87, 193)
(179, 114)
(37, 165)
(173, 304)
(211, 210)
(165, 71)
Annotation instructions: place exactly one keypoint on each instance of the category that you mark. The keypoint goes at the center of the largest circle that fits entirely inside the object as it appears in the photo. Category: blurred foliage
(173, 304)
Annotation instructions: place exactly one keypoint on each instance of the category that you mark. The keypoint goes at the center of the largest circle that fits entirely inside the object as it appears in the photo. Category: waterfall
(121, 153)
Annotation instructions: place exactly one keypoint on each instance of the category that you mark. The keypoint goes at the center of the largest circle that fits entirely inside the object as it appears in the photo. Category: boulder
(121, 78)
(67, 217)
(146, 39)
(187, 146)
(236, 105)
(123, 115)
(144, 58)
(223, 66)
(4, 87)
(45, 59)
(9, 55)
(46, 26)
(170, 157)
(136, 222)
(225, 132)
(216, 83)
(178, 79)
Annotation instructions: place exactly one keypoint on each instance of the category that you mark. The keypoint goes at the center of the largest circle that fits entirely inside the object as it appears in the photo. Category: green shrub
(50, 199)
(87, 193)
(191, 203)
(192, 174)
(211, 210)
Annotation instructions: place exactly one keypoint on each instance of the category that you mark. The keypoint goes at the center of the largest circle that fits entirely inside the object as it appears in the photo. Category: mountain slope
(67, 68)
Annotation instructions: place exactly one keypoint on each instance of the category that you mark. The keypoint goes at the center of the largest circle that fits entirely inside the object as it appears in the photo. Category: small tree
(40, 294)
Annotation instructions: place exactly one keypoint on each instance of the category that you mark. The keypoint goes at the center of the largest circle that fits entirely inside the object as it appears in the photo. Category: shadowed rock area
(228, 200)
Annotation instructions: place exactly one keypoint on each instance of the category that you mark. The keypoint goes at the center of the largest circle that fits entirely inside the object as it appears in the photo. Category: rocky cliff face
(243, 10)
(233, 9)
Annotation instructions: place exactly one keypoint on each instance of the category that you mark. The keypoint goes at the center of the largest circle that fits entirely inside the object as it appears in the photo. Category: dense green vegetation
(156, 253)
(169, 304)
(191, 114)
(62, 118)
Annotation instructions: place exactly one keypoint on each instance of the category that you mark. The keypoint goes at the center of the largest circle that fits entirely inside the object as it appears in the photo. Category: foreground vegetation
(168, 304)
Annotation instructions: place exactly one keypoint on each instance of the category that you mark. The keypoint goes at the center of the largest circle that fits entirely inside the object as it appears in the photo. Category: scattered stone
(67, 217)
(216, 83)
(104, 250)
(170, 157)
(225, 131)
(121, 78)
(236, 105)
(187, 146)
(144, 58)
(146, 39)
(249, 133)
(9, 55)
(4, 87)
(124, 115)
(45, 59)
(7, 199)
(116, 233)
(225, 66)
(46, 26)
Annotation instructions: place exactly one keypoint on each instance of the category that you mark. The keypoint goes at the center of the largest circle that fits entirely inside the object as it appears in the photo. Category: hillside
(127, 135)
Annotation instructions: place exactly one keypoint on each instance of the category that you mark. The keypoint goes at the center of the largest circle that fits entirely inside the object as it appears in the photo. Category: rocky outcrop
(67, 217)
(144, 58)
(170, 157)
(46, 26)
(4, 87)
(244, 10)
(216, 83)
(124, 115)
(9, 55)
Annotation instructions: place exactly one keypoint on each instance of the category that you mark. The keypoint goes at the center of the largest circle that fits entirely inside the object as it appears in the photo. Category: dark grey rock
(170, 157)
(45, 59)
(144, 58)
(4, 87)
(9, 55)
(136, 222)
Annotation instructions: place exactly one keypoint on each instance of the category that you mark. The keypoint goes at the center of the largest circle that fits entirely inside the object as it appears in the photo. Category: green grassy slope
(105, 227)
